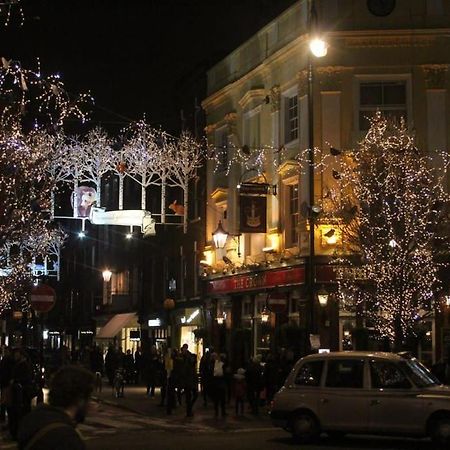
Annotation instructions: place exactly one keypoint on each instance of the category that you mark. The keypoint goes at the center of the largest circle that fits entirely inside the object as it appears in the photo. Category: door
(343, 399)
(394, 405)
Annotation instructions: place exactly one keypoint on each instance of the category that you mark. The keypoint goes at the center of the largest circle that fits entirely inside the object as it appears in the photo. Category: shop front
(258, 313)
(188, 328)
(120, 330)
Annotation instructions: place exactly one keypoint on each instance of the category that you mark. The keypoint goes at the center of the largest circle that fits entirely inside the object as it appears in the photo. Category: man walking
(53, 426)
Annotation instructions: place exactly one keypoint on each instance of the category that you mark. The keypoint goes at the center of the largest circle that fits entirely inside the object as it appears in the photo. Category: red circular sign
(43, 298)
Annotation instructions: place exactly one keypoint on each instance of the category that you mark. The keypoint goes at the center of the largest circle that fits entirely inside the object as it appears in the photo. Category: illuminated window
(120, 283)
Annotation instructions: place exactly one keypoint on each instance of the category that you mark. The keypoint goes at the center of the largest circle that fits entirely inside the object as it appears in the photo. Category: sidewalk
(135, 400)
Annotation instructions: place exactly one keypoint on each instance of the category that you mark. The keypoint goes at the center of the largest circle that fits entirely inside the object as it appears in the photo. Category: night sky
(135, 56)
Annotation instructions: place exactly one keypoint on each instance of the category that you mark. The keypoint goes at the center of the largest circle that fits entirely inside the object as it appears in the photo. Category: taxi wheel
(305, 427)
(440, 432)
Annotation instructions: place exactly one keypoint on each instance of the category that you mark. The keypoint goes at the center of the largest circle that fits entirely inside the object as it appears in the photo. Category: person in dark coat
(150, 373)
(6, 367)
(128, 366)
(218, 384)
(271, 377)
(189, 381)
(111, 364)
(23, 390)
(53, 426)
(97, 360)
(254, 379)
(205, 376)
(138, 365)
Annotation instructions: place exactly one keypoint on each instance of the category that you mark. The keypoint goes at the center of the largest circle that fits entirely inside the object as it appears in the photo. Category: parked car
(362, 392)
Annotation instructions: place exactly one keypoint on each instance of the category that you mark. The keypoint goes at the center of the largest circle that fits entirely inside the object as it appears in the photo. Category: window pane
(394, 94)
(309, 374)
(345, 373)
(387, 376)
(371, 94)
(291, 118)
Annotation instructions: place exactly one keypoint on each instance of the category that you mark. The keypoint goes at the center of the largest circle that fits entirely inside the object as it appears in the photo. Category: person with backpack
(53, 426)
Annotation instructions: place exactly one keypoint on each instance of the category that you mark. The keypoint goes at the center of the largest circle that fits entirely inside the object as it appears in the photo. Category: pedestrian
(151, 365)
(254, 380)
(128, 367)
(271, 377)
(53, 426)
(205, 376)
(240, 391)
(171, 380)
(111, 364)
(441, 370)
(23, 390)
(97, 361)
(219, 387)
(138, 364)
(6, 367)
(177, 375)
(189, 381)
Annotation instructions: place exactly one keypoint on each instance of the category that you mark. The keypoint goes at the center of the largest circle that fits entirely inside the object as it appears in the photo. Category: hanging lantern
(220, 236)
(265, 315)
(221, 318)
(322, 296)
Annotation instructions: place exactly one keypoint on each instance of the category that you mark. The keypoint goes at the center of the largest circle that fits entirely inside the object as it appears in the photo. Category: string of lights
(390, 199)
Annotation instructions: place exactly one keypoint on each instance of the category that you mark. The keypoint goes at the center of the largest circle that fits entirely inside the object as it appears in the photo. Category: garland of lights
(7, 8)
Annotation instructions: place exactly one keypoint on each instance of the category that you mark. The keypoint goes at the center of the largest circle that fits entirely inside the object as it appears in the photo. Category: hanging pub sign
(253, 214)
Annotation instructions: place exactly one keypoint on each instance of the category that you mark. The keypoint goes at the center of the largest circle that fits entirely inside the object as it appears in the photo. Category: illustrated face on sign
(82, 200)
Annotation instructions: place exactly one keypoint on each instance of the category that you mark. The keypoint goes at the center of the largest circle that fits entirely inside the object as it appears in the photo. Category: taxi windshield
(418, 373)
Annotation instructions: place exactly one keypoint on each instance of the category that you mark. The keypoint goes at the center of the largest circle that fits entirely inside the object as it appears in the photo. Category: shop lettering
(263, 280)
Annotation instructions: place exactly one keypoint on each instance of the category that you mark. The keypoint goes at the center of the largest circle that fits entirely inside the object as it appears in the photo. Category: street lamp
(323, 296)
(318, 48)
(107, 274)
(265, 315)
(220, 236)
(447, 301)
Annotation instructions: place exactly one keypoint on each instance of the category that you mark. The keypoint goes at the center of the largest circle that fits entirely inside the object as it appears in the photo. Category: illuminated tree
(184, 158)
(391, 201)
(32, 109)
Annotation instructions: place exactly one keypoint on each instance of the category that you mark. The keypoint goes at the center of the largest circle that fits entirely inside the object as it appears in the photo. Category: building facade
(392, 59)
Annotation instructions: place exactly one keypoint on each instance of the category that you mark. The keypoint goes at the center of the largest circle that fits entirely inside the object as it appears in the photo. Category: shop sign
(154, 323)
(260, 280)
(187, 320)
(253, 214)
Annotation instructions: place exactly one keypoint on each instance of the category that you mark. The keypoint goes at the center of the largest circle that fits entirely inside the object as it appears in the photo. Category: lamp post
(106, 274)
(318, 48)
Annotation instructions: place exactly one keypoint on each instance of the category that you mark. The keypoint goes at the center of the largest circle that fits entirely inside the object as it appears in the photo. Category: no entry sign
(43, 298)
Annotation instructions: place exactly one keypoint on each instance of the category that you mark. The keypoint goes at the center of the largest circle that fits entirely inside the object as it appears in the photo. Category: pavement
(136, 401)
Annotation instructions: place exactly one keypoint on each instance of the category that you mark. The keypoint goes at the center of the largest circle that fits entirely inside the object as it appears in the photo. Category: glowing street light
(107, 274)
(220, 236)
(318, 47)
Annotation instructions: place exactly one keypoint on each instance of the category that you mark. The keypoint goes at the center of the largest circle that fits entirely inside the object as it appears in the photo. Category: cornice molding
(252, 96)
(435, 75)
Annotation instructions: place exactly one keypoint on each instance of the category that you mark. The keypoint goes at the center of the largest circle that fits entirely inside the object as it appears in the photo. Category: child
(240, 389)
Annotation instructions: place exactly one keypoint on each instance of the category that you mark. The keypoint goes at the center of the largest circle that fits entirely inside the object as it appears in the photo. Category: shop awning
(115, 324)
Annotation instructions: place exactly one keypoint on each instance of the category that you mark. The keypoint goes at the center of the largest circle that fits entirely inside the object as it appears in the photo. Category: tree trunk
(163, 200)
(99, 193)
(398, 334)
(121, 179)
(186, 206)
(75, 197)
(144, 192)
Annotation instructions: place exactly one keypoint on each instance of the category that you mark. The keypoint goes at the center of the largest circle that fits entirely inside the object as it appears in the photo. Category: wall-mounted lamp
(323, 296)
(220, 236)
(107, 274)
(265, 315)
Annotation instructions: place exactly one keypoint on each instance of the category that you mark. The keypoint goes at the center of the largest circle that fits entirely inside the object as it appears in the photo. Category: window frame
(388, 389)
(364, 373)
(286, 95)
(321, 378)
(381, 78)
